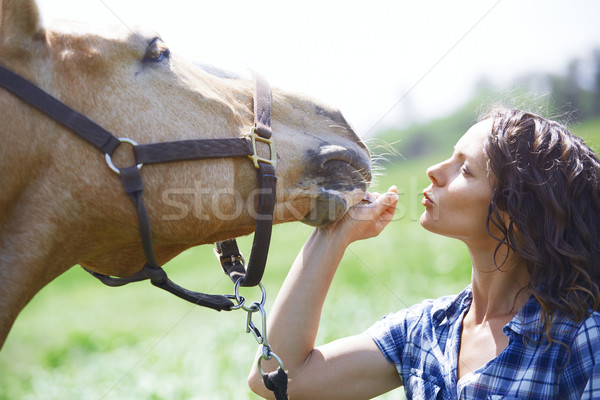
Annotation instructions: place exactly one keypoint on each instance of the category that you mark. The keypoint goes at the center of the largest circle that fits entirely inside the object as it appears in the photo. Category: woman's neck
(500, 288)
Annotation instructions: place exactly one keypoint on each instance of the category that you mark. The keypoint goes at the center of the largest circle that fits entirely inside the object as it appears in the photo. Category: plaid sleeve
(389, 333)
(581, 378)
(388, 336)
(592, 389)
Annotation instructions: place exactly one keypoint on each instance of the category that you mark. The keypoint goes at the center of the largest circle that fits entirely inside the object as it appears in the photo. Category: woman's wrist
(330, 236)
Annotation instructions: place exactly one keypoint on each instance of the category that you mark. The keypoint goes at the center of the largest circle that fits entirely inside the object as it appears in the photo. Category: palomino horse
(60, 204)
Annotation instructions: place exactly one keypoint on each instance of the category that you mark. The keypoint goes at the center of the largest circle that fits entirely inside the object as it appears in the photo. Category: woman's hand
(366, 219)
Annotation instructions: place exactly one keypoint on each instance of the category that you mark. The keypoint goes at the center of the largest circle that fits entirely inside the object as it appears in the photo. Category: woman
(524, 195)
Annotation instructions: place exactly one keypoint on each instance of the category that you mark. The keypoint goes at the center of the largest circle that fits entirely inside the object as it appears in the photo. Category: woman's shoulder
(588, 330)
(584, 351)
(593, 320)
(582, 338)
(590, 325)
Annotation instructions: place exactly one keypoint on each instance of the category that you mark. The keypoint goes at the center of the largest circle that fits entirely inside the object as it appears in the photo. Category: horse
(60, 204)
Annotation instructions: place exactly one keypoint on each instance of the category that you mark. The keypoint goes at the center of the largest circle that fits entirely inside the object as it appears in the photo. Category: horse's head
(130, 83)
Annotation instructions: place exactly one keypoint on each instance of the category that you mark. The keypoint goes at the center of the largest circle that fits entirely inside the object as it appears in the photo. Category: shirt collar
(527, 321)
(451, 309)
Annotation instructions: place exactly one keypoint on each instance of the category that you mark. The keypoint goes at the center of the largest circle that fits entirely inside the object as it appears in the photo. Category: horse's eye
(156, 51)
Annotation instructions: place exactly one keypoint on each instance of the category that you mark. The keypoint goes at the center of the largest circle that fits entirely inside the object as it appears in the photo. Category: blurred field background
(79, 339)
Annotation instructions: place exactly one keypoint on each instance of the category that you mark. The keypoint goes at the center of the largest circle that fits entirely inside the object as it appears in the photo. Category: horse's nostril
(363, 145)
(352, 157)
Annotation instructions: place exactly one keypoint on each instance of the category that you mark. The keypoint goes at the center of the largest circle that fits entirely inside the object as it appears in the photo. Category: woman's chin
(427, 221)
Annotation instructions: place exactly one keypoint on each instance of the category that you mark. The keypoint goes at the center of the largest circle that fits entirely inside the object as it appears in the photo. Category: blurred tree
(596, 88)
(566, 92)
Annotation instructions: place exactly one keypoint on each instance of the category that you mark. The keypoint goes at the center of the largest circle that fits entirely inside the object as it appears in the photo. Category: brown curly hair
(547, 181)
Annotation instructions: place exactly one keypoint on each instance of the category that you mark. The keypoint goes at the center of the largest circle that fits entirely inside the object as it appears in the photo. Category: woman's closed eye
(466, 171)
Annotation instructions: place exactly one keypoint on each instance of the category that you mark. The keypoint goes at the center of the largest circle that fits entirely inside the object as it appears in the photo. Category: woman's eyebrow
(473, 161)
(459, 154)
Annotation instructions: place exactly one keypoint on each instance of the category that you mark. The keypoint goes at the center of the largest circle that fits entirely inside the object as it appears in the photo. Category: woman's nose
(435, 174)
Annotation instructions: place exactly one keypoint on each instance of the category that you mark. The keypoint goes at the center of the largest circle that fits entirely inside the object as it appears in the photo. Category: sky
(383, 63)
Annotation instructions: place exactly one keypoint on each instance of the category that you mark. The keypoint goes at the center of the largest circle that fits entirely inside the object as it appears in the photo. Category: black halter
(154, 153)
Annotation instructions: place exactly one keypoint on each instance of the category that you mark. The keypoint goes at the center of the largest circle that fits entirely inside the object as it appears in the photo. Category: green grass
(590, 131)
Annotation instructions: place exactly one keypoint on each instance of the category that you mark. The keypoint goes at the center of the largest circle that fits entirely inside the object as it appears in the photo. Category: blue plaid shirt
(423, 342)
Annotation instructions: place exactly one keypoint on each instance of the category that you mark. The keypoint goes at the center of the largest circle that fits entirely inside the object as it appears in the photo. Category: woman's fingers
(367, 219)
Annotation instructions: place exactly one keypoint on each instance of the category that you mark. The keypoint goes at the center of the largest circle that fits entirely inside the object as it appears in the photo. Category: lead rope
(274, 381)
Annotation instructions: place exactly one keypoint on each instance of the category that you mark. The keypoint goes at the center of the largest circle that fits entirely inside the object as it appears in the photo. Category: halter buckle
(254, 156)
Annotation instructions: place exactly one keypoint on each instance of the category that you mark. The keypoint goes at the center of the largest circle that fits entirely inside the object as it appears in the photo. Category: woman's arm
(349, 368)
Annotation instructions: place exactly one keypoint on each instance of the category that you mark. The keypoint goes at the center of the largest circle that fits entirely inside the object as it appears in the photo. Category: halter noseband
(155, 153)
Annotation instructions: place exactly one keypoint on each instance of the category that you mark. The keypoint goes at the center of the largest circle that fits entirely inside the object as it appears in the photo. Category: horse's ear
(19, 22)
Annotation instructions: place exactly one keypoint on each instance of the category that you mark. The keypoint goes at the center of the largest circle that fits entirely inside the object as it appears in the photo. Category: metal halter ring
(241, 300)
(109, 159)
(268, 355)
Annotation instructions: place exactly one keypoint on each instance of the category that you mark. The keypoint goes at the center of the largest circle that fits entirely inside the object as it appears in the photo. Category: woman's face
(456, 203)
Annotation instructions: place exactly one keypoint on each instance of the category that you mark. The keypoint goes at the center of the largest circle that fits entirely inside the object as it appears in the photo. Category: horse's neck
(29, 259)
